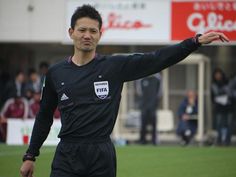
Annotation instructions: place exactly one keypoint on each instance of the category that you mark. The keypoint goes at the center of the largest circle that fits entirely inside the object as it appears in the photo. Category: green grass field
(140, 161)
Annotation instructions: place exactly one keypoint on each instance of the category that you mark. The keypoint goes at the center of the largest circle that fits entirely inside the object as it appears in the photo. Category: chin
(87, 49)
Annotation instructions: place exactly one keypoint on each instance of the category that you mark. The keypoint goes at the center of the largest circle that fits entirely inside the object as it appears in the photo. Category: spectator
(232, 87)
(16, 107)
(34, 105)
(29, 93)
(57, 114)
(222, 106)
(187, 114)
(4, 79)
(34, 81)
(43, 69)
(149, 92)
(15, 87)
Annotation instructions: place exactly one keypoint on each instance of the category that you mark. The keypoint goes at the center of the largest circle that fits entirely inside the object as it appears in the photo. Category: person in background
(17, 108)
(43, 69)
(34, 105)
(232, 87)
(33, 83)
(4, 79)
(187, 114)
(222, 107)
(57, 114)
(15, 87)
(149, 89)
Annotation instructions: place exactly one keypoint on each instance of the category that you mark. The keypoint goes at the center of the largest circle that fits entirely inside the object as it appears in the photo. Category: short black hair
(18, 72)
(31, 71)
(86, 11)
(43, 64)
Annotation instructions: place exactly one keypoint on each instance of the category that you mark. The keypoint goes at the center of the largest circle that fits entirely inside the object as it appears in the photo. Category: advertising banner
(192, 17)
(19, 132)
(128, 21)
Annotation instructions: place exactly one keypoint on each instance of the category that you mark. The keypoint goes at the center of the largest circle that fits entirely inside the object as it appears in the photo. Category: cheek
(75, 36)
(97, 38)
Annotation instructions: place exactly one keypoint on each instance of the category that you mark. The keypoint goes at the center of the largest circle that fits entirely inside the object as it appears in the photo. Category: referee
(87, 89)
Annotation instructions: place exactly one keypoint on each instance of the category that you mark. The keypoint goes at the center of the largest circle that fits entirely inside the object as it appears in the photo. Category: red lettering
(115, 21)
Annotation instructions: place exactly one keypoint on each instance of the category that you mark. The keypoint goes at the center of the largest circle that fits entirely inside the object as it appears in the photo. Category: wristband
(28, 157)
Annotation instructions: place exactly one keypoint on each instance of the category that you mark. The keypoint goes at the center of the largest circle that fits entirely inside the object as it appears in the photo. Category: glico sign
(189, 18)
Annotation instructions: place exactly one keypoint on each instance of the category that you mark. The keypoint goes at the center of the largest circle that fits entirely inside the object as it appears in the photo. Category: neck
(82, 58)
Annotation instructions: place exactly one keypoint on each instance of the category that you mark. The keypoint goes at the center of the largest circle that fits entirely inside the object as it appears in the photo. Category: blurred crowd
(223, 97)
(20, 96)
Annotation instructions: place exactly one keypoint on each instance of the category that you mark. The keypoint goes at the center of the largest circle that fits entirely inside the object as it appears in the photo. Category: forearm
(40, 132)
(139, 66)
(44, 118)
(171, 55)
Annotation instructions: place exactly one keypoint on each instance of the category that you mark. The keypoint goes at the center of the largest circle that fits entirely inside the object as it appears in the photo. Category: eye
(93, 31)
(81, 30)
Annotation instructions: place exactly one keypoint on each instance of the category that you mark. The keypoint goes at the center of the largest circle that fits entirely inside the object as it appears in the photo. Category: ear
(70, 31)
(100, 35)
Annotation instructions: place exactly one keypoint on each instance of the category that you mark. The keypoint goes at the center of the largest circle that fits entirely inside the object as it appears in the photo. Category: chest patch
(101, 89)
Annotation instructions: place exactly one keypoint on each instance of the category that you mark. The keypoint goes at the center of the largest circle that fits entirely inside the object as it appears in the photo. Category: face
(44, 70)
(86, 34)
(37, 96)
(34, 77)
(218, 76)
(20, 77)
(191, 94)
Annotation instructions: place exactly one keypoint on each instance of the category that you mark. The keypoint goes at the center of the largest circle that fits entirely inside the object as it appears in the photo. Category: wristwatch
(196, 39)
(28, 156)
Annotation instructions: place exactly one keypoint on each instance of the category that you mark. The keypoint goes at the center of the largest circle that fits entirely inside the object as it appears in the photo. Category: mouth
(87, 43)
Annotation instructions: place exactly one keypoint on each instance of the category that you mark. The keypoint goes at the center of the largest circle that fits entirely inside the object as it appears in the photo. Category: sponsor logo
(213, 21)
(116, 21)
(64, 97)
(101, 89)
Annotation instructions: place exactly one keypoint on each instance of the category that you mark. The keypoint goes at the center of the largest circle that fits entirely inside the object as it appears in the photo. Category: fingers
(212, 36)
(27, 174)
(30, 174)
(223, 37)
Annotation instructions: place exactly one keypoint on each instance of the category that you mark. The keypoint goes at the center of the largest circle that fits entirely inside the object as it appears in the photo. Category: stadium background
(32, 31)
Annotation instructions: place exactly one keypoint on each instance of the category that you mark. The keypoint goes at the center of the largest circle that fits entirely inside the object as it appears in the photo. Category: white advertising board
(19, 132)
(128, 21)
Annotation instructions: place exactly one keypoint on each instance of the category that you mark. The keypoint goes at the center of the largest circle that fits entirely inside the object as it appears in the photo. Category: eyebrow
(88, 28)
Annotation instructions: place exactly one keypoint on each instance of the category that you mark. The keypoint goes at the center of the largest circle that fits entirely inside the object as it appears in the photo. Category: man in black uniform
(87, 89)
(150, 88)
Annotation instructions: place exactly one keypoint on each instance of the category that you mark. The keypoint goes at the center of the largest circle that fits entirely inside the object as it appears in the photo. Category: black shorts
(87, 159)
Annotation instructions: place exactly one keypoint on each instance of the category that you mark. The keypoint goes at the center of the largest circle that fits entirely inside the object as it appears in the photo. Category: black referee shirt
(88, 96)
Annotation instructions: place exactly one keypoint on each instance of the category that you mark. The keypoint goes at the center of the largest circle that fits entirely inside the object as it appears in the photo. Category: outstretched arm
(136, 66)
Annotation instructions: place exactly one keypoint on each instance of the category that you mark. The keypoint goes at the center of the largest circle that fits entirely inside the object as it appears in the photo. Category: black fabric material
(84, 160)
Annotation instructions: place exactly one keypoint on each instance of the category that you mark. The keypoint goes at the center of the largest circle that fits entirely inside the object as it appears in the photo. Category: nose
(87, 35)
